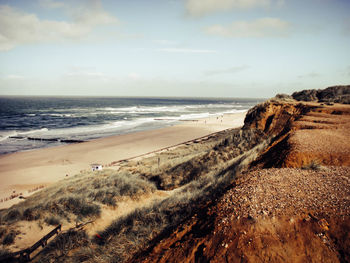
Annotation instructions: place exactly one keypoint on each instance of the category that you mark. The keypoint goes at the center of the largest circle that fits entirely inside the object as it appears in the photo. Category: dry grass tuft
(62, 244)
(313, 165)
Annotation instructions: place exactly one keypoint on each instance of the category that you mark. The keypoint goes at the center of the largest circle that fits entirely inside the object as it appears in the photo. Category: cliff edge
(291, 205)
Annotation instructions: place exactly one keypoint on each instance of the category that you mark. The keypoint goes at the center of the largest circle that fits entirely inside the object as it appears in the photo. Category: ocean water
(28, 123)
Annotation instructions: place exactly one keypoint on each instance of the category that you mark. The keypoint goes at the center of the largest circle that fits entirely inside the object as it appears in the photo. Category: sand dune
(23, 171)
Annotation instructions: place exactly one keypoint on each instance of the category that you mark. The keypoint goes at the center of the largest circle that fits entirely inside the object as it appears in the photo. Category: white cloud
(186, 50)
(231, 70)
(18, 28)
(264, 27)
(133, 76)
(13, 77)
(204, 7)
(310, 75)
(85, 74)
(51, 4)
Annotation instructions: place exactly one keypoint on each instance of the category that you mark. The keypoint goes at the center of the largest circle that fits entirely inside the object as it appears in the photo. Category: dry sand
(23, 171)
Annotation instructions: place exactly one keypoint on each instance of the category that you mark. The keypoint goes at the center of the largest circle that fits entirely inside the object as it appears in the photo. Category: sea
(28, 123)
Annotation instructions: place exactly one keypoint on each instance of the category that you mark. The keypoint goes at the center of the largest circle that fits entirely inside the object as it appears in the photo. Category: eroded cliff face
(295, 214)
(273, 116)
(304, 133)
(338, 94)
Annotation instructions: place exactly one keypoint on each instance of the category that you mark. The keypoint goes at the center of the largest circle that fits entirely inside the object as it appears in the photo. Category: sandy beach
(23, 172)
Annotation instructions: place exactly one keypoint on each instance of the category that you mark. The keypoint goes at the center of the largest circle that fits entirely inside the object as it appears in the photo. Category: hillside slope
(292, 205)
(277, 190)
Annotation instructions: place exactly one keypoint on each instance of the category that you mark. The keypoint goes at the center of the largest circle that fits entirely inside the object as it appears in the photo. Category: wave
(142, 109)
(58, 115)
(233, 111)
(32, 131)
(8, 134)
(213, 106)
(5, 135)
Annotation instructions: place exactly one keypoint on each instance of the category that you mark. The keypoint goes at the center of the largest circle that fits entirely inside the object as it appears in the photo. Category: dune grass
(79, 197)
(196, 174)
(138, 230)
(186, 163)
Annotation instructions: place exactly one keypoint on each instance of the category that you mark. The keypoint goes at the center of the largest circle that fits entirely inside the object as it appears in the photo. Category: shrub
(9, 238)
(3, 231)
(12, 215)
(313, 165)
(109, 200)
(89, 210)
(79, 206)
(30, 214)
(62, 244)
(52, 220)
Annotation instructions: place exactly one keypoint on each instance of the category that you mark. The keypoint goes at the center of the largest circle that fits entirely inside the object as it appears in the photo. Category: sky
(182, 48)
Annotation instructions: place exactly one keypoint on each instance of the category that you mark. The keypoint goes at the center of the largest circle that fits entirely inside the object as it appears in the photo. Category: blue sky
(197, 48)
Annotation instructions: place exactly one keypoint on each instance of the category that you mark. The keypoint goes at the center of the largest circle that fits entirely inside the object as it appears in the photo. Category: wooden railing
(24, 255)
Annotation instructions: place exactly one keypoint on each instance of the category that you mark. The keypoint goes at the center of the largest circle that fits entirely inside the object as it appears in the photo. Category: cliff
(337, 94)
(304, 132)
(291, 205)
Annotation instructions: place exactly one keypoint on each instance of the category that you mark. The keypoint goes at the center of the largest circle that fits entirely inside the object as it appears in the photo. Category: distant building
(96, 167)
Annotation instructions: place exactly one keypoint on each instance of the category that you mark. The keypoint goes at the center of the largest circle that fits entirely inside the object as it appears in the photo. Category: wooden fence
(24, 255)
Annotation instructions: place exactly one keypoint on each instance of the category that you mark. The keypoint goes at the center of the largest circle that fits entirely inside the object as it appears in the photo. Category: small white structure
(96, 167)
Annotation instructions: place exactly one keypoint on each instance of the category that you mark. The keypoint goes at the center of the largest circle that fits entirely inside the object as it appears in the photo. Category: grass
(137, 230)
(79, 197)
(62, 244)
(199, 173)
(180, 170)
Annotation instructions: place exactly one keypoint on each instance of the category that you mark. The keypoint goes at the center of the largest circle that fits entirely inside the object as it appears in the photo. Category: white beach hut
(96, 167)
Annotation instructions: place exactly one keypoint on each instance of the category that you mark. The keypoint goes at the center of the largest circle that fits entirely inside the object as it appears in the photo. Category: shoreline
(45, 166)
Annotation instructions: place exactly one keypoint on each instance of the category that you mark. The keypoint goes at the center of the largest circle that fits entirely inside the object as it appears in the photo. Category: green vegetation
(138, 229)
(79, 197)
(187, 163)
(52, 220)
(194, 175)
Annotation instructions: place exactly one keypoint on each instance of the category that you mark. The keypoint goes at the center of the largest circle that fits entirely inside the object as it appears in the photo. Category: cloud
(18, 28)
(310, 75)
(186, 50)
(198, 8)
(231, 70)
(13, 77)
(51, 4)
(264, 27)
(133, 76)
(86, 74)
